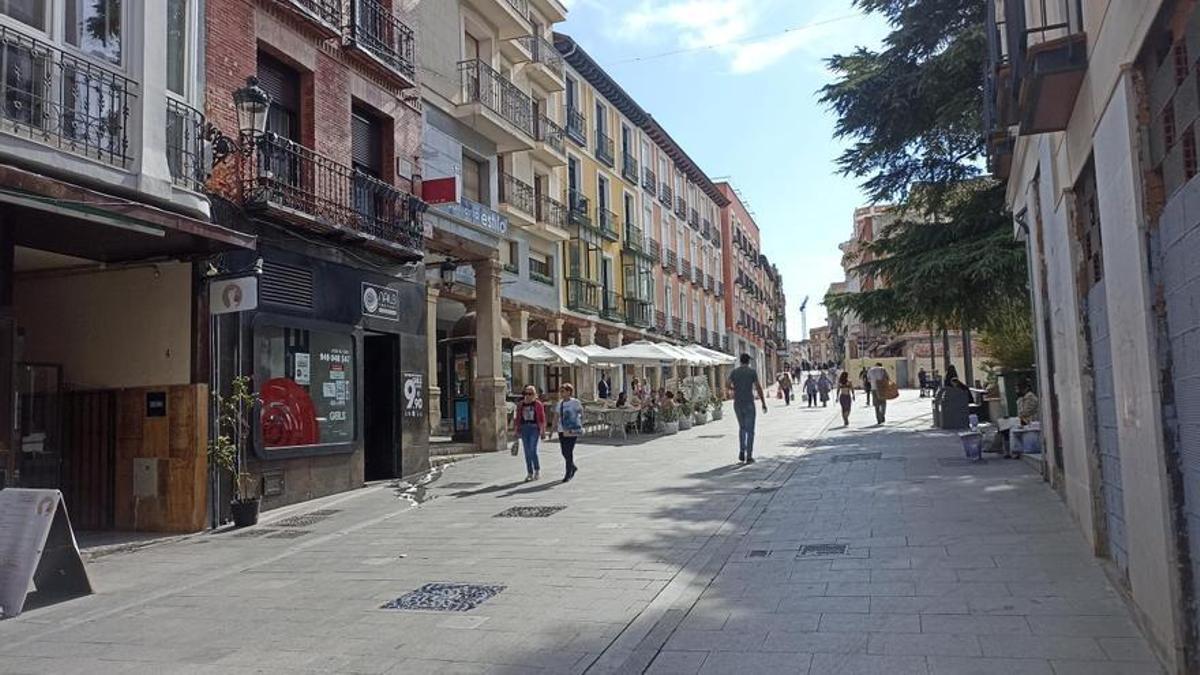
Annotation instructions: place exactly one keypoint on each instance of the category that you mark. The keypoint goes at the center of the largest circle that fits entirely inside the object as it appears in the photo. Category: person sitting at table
(622, 400)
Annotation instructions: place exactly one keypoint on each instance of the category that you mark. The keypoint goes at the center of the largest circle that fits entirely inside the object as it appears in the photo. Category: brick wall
(330, 79)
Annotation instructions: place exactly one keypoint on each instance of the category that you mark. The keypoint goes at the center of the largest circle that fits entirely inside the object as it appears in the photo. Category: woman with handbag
(569, 412)
(529, 425)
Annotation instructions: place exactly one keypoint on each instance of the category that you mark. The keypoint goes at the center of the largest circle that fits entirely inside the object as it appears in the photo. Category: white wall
(127, 328)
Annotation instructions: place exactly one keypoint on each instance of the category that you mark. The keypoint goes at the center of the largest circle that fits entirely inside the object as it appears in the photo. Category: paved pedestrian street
(859, 550)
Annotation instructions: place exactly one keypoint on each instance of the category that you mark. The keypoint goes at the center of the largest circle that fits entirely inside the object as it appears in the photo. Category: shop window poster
(308, 394)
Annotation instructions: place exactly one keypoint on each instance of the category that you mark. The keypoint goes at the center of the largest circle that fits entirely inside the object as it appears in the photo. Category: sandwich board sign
(38, 548)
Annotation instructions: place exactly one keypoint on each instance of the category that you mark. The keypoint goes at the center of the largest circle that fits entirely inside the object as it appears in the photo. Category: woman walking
(530, 425)
(570, 425)
(845, 394)
(823, 386)
(810, 390)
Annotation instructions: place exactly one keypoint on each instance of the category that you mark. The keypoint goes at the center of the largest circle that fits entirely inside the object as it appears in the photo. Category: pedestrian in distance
(810, 390)
(744, 384)
(877, 377)
(923, 380)
(530, 426)
(845, 395)
(823, 386)
(785, 385)
(570, 426)
(604, 387)
(866, 384)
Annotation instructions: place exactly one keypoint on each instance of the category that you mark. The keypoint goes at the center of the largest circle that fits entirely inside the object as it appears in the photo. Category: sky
(735, 84)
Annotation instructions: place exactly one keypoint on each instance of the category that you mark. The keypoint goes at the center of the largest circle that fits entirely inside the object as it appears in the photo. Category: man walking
(876, 377)
(743, 382)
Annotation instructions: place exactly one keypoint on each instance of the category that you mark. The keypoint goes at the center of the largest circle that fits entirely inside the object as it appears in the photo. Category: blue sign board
(475, 214)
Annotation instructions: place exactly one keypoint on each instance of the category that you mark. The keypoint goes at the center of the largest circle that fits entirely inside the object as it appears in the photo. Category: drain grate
(288, 534)
(857, 457)
(460, 486)
(759, 553)
(820, 550)
(529, 512)
(445, 597)
(960, 461)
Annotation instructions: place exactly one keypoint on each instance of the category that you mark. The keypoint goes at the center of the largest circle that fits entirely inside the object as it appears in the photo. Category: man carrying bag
(884, 389)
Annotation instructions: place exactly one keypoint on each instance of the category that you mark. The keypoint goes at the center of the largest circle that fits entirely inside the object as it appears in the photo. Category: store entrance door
(381, 428)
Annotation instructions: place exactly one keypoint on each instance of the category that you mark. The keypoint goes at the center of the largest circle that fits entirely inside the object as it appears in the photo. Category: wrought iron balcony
(629, 168)
(612, 309)
(604, 148)
(639, 313)
(551, 212)
(694, 219)
(649, 180)
(720, 289)
(665, 194)
(1047, 47)
(185, 145)
(725, 343)
(691, 331)
(677, 325)
(633, 238)
(380, 34)
(655, 250)
(660, 321)
(549, 133)
(56, 98)
(544, 54)
(680, 206)
(517, 194)
(314, 191)
(685, 268)
(670, 260)
(583, 295)
(482, 84)
(703, 335)
(709, 283)
(698, 276)
(607, 221)
(575, 127)
(579, 208)
(328, 13)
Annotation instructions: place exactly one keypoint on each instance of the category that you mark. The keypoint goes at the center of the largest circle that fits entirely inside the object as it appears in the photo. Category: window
(601, 119)
(572, 94)
(602, 193)
(626, 141)
(471, 49)
(630, 209)
(366, 142)
(539, 267)
(512, 256)
(473, 173)
(29, 12)
(283, 84)
(177, 46)
(306, 381)
(94, 26)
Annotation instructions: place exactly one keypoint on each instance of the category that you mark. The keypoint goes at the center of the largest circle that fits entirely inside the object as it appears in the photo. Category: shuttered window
(283, 84)
(366, 143)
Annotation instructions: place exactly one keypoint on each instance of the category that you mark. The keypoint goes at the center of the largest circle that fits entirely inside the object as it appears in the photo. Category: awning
(640, 353)
(548, 354)
(718, 358)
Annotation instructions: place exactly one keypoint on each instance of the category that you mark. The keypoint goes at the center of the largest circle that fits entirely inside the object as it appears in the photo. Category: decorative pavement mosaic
(445, 597)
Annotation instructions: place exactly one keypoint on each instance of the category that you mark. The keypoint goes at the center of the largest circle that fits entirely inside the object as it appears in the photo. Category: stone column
(433, 402)
(519, 322)
(489, 414)
(585, 388)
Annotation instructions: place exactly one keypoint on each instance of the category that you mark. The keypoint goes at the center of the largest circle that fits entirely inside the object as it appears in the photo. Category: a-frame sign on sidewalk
(37, 546)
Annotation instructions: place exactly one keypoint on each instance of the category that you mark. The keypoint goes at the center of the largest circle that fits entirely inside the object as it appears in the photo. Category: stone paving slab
(656, 564)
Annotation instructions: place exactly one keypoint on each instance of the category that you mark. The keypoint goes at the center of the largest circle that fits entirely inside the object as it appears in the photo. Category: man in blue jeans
(743, 382)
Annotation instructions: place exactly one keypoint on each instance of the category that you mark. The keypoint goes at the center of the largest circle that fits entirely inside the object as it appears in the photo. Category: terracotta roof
(586, 66)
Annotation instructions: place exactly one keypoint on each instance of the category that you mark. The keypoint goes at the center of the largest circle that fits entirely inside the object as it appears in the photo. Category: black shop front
(336, 348)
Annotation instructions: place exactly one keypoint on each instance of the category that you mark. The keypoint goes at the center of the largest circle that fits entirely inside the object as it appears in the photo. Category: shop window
(306, 380)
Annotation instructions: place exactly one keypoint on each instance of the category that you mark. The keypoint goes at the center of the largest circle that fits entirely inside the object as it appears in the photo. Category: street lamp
(251, 103)
(446, 271)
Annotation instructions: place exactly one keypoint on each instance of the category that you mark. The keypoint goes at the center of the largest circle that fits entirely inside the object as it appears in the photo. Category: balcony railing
(720, 289)
(670, 260)
(612, 309)
(649, 180)
(374, 29)
(482, 84)
(677, 325)
(517, 194)
(1047, 47)
(185, 145)
(655, 250)
(328, 12)
(552, 212)
(607, 223)
(698, 276)
(56, 98)
(681, 207)
(685, 268)
(579, 208)
(629, 167)
(551, 134)
(604, 148)
(522, 6)
(322, 193)
(694, 219)
(639, 313)
(583, 295)
(543, 53)
(575, 126)
(703, 335)
(691, 331)
(709, 283)
(665, 195)
(725, 343)
(660, 321)
(633, 237)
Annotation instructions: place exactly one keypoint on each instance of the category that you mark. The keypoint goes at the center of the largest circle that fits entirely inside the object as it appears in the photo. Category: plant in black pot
(227, 451)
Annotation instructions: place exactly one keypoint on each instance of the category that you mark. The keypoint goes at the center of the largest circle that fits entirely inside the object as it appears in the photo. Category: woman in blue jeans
(570, 426)
(529, 425)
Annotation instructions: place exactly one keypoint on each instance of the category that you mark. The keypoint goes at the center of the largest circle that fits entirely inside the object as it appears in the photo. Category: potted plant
(717, 408)
(685, 415)
(700, 411)
(227, 451)
(670, 420)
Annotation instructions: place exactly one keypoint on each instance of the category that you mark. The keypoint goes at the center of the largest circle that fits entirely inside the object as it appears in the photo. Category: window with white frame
(94, 26)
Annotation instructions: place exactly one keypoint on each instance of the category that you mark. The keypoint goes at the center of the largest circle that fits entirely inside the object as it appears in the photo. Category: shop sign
(39, 549)
(476, 214)
(380, 302)
(226, 296)
(414, 394)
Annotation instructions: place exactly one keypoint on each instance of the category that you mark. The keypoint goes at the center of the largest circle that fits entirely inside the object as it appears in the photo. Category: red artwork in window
(288, 415)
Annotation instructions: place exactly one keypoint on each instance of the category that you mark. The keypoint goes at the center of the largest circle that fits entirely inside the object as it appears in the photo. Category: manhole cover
(445, 597)
(250, 534)
(460, 486)
(818, 550)
(857, 457)
(288, 534)
(960, 461)
(758, 553)
(529, 512)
